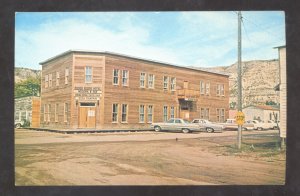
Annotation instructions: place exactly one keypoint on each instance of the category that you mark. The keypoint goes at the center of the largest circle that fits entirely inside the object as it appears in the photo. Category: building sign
(87, 93)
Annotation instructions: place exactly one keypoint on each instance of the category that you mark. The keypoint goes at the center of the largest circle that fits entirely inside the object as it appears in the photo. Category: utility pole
(239, 69)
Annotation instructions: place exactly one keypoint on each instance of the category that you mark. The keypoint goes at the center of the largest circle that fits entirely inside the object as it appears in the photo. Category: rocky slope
(24, 73)
(259, 77)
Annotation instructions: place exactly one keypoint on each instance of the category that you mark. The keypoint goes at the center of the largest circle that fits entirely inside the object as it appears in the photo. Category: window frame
(126, 78)
(126, 113)
(166, 83)
(116, 77)
(46, 81)
(172, 108)
(56, 112)
(67, 73)
(173, 83)
(202, 88)
(57, 78)
(151, 79)
(115, 113)
(141, 114)
(143, 80)
(88, 67)
(50, 80)
(66, 112)
(207, 88)
(150, 113)
(165, 113)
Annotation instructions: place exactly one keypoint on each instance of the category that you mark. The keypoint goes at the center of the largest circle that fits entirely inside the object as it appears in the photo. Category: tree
(29, 87)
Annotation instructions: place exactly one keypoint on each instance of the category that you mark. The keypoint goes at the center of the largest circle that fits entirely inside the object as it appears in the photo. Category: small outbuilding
(261, 112)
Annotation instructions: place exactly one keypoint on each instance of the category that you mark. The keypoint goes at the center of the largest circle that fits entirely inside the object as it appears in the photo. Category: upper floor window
(173, 84)
(220, 89)
(88, 74)
(166, 82)
(66, 75)
(57, 78)
(115, 77)
(207, 88)
(125, 74)
(150, 81)
(46, 81)
(50, 80)
(202, 87)
(142, 80)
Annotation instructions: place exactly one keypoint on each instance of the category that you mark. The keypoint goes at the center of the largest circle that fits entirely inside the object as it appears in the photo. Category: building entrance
(87, 115)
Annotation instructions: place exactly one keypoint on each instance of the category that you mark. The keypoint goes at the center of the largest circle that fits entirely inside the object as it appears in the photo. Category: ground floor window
(142, 113)
(66, 109)
(221, 115)
(56, 112)
(165, 113)
(49, 112)
(150, 113)
(115, 112)
(172, 115)
(124, 112)
(204, 113)
(17, 116)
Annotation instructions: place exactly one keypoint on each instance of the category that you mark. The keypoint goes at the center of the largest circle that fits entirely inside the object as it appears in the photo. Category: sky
(200, 39)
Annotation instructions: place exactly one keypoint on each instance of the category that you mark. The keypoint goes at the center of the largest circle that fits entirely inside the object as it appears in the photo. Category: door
(185, 114)
(87, 117)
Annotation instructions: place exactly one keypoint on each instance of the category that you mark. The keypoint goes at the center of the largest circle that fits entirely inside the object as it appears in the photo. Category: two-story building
(104, 90)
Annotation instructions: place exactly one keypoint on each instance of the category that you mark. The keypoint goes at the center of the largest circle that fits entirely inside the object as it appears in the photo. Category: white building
(261, 112)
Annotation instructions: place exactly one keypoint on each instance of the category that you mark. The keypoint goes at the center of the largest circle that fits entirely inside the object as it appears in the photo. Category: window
(221, 115)
(165, 113)
(173, 84)
(115, 112)
(202, 113)
(57, 78)
(177, 121)
(125, 77)
(166, 82)
(46, 81)
(142, 80)
(17, 116)
(45, 113)
(207, 88)
(202, 87)
(50, 80)
(49, 112)
(66, 112)
(88, 74)
(23, 116)
(150, 113)
(150, 81)
(142, 113)
(124, 112)
(56, 112)
(172, 115)
(220, 89)
(116, 77)
(206, 114)
(66, 75)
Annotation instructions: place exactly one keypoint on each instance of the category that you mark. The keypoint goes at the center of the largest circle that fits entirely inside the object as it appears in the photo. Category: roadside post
(240, 120)
(239, 78)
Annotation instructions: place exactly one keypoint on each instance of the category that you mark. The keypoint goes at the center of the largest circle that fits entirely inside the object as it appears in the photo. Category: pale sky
(200, 39)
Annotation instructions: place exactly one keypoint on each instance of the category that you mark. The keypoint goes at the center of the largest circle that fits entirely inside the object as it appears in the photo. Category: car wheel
(157, 128)
(18, 125)
(209, 130)
(259, 128)
(185, 130)
(244, 129)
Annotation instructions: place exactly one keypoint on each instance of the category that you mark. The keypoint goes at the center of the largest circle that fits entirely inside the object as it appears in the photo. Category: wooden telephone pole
(239, 69)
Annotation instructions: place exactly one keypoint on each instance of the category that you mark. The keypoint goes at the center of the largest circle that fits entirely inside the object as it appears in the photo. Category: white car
(176, 124)
(208, 126)
(260, 125)
(272, 124)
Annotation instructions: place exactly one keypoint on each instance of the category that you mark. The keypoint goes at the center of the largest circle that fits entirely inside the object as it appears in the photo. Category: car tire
(157, 129)
(185, 130)
(209, 130)
(18, 125)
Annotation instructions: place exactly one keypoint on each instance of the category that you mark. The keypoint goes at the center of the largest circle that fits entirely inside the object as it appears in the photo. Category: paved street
(147, 158)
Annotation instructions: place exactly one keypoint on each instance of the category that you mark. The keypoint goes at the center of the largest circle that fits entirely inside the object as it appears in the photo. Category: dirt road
(147, 158)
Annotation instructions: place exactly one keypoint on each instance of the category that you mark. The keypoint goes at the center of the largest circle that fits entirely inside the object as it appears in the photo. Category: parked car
(176, 124)
(272, 124)
(231, 124)
(260, 125)
(208, 126)
(19, 123)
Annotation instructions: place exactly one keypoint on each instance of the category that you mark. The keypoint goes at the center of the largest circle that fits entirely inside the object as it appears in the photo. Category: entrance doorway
(87, 115)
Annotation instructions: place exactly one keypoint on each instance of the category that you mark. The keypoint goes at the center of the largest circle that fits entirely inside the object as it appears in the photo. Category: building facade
(28, 109)
(103, 90)
(261, 112)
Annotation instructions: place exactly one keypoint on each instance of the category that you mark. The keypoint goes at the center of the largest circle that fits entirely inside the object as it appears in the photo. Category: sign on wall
(87, 93)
